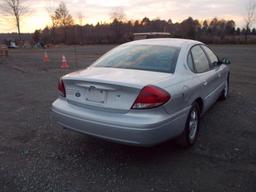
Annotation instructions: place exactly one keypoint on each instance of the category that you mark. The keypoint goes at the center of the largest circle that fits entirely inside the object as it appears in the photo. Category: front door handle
(205, 83)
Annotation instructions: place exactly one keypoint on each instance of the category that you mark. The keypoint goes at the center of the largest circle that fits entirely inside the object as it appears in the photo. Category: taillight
(61, 88)
(150, 97)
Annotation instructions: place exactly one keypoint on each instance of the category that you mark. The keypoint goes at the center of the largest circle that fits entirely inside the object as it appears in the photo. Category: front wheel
(190, 133)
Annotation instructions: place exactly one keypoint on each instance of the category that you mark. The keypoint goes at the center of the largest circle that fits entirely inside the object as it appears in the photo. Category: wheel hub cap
(193, 124)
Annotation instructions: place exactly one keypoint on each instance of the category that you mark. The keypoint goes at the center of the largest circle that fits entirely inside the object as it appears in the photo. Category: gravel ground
(36, 154)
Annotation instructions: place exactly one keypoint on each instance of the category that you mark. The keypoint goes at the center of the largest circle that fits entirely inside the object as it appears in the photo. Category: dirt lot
(38, 155)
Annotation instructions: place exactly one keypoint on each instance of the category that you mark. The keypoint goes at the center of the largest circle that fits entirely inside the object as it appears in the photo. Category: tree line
(64, 30)
(212, 31)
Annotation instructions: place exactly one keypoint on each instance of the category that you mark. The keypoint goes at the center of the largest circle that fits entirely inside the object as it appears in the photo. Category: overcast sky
(95, 11)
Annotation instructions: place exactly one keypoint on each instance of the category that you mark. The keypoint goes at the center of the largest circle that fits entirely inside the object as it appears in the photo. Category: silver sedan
(144, 92)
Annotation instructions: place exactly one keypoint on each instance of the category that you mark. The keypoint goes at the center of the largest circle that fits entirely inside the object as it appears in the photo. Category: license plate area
(95, 95)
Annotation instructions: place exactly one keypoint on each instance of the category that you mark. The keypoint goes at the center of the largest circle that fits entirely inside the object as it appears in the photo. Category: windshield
(141, 57)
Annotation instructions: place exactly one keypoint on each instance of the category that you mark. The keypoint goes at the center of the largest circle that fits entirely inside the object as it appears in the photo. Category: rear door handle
(205, 83)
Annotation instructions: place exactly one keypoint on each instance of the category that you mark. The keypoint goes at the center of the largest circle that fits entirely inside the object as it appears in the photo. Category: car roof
(173, 42)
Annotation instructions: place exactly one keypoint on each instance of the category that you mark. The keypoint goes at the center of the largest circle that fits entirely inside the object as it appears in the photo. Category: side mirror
(224, 61)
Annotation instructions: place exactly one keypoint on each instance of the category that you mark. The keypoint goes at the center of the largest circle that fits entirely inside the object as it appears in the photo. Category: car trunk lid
(108, 88)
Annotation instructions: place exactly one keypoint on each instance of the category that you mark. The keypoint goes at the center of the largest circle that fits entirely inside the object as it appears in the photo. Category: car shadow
(114, 152)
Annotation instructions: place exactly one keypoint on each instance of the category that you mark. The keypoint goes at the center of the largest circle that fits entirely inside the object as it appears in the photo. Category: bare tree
(61, 16)
(50, 8)
(250, 17)
(118, 15)
(81, 28)
(80, 18)
(50, 11)
(15, 9)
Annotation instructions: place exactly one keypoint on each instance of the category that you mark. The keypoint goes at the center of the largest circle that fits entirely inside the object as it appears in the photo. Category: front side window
(201, 62)
(141, 57)
(212, 57)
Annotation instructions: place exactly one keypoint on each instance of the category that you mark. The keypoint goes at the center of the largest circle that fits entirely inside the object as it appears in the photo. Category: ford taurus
(144, 92)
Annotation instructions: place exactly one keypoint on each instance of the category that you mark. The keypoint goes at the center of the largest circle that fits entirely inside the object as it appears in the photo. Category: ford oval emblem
(78, 94)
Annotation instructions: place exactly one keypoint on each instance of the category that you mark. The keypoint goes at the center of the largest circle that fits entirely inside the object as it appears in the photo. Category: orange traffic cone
(46, 58)
(64, 63)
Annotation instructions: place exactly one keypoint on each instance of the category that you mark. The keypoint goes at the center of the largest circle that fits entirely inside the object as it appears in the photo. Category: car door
(219, 69)
(206, 75)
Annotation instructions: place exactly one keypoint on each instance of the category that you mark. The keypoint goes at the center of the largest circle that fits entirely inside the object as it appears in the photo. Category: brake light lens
(151, 97)
(61, 88)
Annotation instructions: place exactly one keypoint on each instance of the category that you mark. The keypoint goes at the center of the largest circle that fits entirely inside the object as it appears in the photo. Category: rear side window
(212, 57)
(141, 57)
(190, 62)
(201, 62)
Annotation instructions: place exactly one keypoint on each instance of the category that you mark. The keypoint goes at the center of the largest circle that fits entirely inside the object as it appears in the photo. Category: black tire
(225, 92)
(185, 140)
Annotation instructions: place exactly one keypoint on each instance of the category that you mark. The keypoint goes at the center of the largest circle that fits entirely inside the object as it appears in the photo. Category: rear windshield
(141, 57)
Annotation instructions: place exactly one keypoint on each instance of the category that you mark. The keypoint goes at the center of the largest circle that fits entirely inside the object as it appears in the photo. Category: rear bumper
(134, 128)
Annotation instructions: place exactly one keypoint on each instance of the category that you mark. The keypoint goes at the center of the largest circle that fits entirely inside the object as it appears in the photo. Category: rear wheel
(190, 133)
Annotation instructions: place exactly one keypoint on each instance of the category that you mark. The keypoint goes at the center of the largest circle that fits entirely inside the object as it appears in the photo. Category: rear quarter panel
(183, 94)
